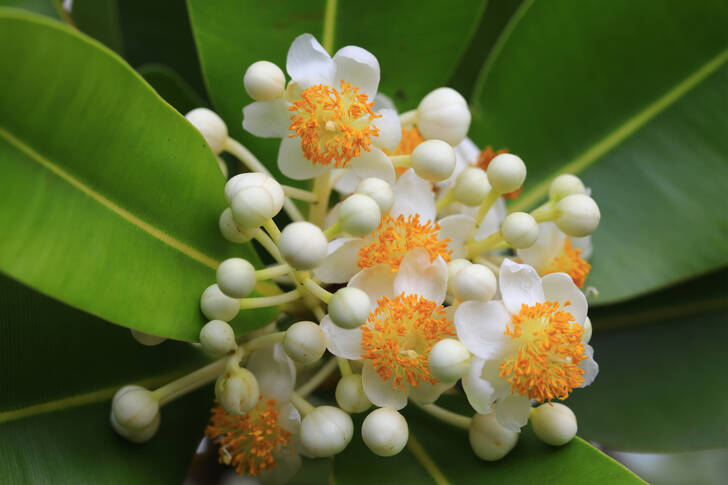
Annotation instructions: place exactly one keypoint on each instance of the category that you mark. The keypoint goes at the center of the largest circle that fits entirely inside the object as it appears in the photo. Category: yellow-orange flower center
(400, 334)
(335, 125)
(394, 238)
(571, 263)
(248, 442)
(546, 364)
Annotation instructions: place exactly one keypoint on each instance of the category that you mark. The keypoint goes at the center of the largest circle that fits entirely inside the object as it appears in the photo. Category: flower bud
(553, 423)
(506, 173)
(236, 277)
(586, 336)
(212, 127)
(264, 81)
(449, 360)
(303, 245)
(453, 268)
(385, 432)
(216, 305)
(349, 307)
(139, 435)
(488, 439)
(475, 282)
(443, 114)
(237, 391)
(433, 160)
(471, 186)
(577, 215)
(232, 231)
(520, 230)
(359, 215)
(379, 190)
(304, 342)
(326, 431)
(350, 395)
(146, 339)
(564, 185)
(134, 408)
(256, 179)
(217, 338)
(252, 206)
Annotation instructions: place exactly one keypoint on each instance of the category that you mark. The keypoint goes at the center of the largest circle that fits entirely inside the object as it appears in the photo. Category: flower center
(248, 442)
(394, 238)
(484, 160)
(334, 125)
(400, 334)
(550, 349)
(571, 263)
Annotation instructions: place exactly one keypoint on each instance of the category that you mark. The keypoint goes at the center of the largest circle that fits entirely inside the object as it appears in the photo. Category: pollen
(484, 160)
(571, 263)
(335, 125)
(248, 442)
(399, 335)
(410, 139)
(394, 238)
(546, 364)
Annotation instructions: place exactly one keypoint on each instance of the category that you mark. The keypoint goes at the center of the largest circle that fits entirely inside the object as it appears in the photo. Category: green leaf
(171, 87)
(620, 94)
(100, 20)
(50, 8)
(111, 199)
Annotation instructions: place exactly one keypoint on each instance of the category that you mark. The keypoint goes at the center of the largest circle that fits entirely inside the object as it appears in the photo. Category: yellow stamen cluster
(571, 263)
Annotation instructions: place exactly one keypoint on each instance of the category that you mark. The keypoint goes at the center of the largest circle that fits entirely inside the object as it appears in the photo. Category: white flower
(527, 346)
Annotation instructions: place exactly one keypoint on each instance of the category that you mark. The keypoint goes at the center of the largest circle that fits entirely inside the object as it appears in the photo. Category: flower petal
(561, 288)
(458, 228)
(382, 101)
(481, 326)
(512, 411)
(341, 263)
(359, 67)
(294, 164)
(308, 63)
(590, 366)
(346, 182)
(426, 393)
(289, 418)
(373, 163)
(376, 282)
(380, 392)
(492, 220)
(274, 370)
(340, 341)
(583, 243)
(480, 392)
(519, 284)
(390, 129)
(549, 245)
(413, 195)
(418, 276)
(267, 119)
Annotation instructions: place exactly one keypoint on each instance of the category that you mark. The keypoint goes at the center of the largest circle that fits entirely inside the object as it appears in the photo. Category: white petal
(340, 341)
(376, 282)
(267, 119)
(590, 366)
(292, 162)
(468, 151)
(359, 67)
(289, 418)
(480, 392)
(560, 287)
(492, 220)
(308, 63)
(413, 195)
(519, 284)
(373, 163)
(418, 276)
(583, 243)
(390, 129)
(341, 263)
(512, 411)
(345, 183)
(382, 101)
(274, 370)
(458, 228)
(380, 392)
(426, 393)
(481, 326)
(549, 245)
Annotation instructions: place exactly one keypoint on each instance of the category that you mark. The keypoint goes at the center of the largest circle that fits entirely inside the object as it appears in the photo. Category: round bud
(453, 268)
(350, 395)
(217, 338)
(488, 439)
(443, 114)
(252, 206)
(212, 127)
(137, 435)
(359, 215)
(578, 215)
(564, 185)
(520, 230)
(236, 277)
(231, 231)
(471, 186)
(264, 81)
(146, 339)
(134, 408)
(237, 392)
(303, 245)
(256, 179)
(475, 282)
(433, 160)
(326, 431)
(304, 342)
(449, 360)
(506, 173)
(216, 305)
(385, 432)
(379, 190)
(586, 336)
(349, 307)
(553, 423)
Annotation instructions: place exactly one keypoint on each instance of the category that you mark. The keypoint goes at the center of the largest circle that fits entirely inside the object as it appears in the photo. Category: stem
(488, 202)
(443, 414)
(272, 272)
(317, 290)
(320, 313)
(317, 378)
(266, 301)
(446, 199)
(269, 245)
(190, 382)
(344, 366)
(264, 341)
(300, 194)
(329, 23)
(332, 230)
(322, 189)
(401, 161)
(478, 247)
(273, 230)
(421, 456)
(546, 212)
(408, 117)
(301, 404)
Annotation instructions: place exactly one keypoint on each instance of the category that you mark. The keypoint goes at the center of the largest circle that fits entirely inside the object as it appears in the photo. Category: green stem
(303, 406)
(332, 230)
(317, 290)
(272, 272)
(478, 247)
(446, 199)
(300, 194)
(266, 301)
(268, 244)
(272, 229)
(546, 212)
(344, 366)
(329, 24)
(401, 161)
(488, 202)
(449, 417)
(190, 382)
(264, 341)
(322, 189)
(427, 463)
(317, 378)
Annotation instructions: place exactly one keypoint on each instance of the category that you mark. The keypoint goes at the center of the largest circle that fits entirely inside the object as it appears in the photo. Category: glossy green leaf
(100, 20)
(627, 95)
(50, 8)
(170, 85)
(110, 198)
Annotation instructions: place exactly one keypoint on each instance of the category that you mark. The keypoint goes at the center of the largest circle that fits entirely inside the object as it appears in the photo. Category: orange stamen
(484, 160)
(571, 263)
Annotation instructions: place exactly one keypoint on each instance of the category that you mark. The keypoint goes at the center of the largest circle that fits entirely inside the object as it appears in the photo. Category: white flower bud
(449, 360)
(385, 432)
(217, 338)
(349, 307)
(350, 395)
(578, 215)
(134, 408)
(379, 190)
(586, 336)
(212, 127)
(553, 423)
(304, 342)
(236, 277)
(252, 206)
(520, 230)
(138, 435)
(303, 245)
(443, 114)
(471, 186)
(232, 231)
(488, 439)
(237, 392)
(146, 338)
(256, 179)
(264, 81)
(453, 268)
(475, 282)
(359, 215)
(216, 305)
(564, 185)
(506, 173)
(433, 160)
(326, 431)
